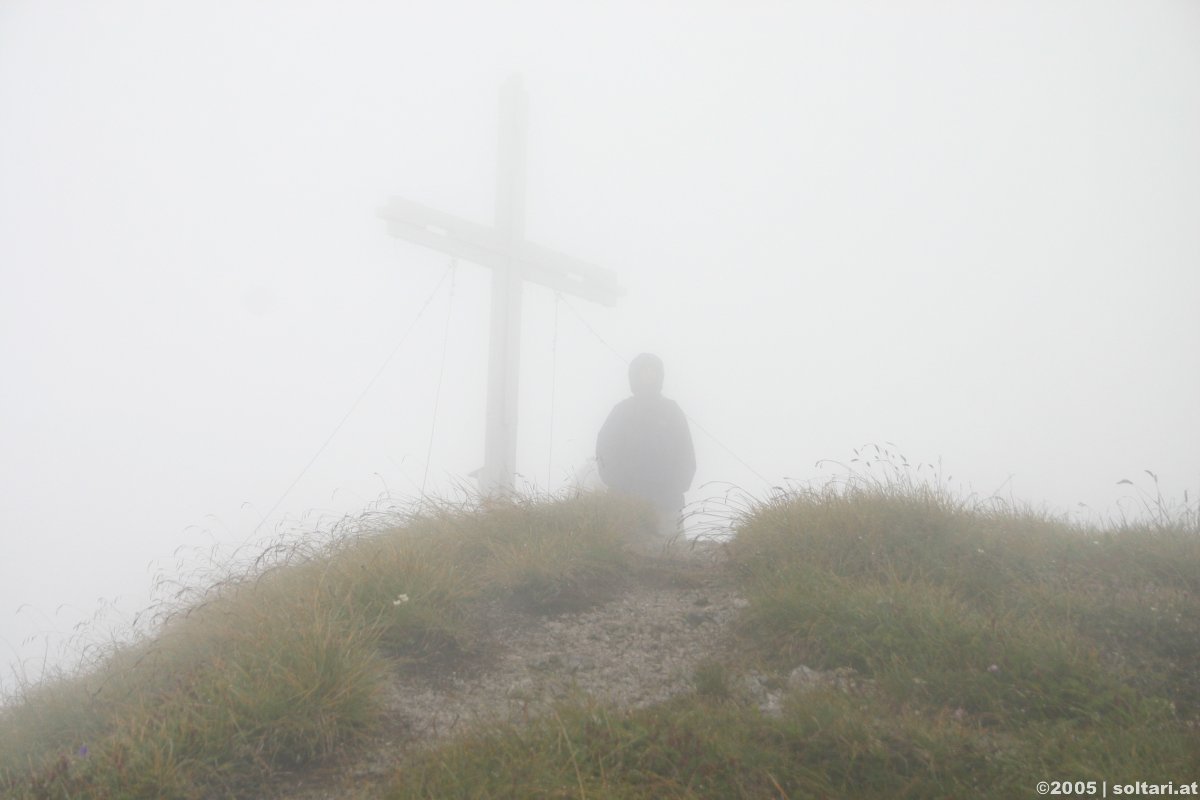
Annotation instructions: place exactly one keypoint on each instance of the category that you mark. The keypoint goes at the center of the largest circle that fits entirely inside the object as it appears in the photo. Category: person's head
(646, 374)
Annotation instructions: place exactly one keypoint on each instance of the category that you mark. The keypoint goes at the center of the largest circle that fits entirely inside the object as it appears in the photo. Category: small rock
(580, 664)
(803, 678)
(758, 688)
(549, 663)
(772, 706)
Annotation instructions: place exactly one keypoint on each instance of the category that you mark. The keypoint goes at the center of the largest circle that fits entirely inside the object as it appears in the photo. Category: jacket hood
(646, 375)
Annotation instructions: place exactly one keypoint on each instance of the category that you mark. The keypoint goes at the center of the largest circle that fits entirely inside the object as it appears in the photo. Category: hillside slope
(863, 639)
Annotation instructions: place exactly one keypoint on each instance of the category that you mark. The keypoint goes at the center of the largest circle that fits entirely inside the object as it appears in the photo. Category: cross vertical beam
(513, 261)
(504, 359)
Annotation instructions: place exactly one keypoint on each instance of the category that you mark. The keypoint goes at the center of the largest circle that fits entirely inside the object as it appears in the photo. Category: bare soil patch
(638, 648)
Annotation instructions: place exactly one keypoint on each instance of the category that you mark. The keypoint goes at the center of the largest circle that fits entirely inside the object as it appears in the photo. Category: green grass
(285, 662)
(826, 743)
(990, 647)
(988, 608)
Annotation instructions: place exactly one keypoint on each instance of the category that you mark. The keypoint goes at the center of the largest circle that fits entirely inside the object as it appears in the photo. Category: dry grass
(992, 647)
(281, 662)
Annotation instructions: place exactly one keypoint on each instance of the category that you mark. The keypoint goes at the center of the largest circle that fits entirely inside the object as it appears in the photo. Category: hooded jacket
(645, 447)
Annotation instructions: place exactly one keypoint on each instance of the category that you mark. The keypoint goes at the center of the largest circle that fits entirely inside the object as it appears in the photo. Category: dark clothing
(645, 449)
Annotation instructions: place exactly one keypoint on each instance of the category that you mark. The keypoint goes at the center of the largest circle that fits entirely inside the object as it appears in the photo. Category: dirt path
(638, 649)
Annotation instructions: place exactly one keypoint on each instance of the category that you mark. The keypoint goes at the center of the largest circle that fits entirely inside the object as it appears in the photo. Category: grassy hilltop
(980, 649)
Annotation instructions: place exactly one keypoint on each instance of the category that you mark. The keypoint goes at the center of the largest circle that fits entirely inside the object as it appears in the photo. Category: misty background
(970, 230)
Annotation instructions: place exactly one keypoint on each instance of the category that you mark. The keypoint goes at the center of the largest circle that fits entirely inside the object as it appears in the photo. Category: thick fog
(971, 230)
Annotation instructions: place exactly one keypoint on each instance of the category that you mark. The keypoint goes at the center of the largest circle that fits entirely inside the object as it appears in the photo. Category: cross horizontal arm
(486, 246)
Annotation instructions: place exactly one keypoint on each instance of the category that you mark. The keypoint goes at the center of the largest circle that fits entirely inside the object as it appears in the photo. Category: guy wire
(359, 399)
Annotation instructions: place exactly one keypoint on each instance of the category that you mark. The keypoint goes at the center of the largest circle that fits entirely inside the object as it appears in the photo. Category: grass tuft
(987, 647)
(284, 661)
(952, 647)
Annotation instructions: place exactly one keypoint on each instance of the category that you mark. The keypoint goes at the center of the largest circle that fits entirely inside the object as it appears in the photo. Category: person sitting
(644, 447)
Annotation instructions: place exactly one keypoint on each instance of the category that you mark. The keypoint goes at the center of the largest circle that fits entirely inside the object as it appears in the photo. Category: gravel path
(638, 649)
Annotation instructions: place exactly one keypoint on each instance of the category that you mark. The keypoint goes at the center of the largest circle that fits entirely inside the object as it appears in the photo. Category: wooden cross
(513, 260)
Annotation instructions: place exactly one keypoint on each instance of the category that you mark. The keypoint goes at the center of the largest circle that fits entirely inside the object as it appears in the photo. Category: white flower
(400, 600)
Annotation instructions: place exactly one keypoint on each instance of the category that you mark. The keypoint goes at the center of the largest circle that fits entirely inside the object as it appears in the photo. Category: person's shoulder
(646, 404)
(625, 404)
(622, 408)
(672, 405)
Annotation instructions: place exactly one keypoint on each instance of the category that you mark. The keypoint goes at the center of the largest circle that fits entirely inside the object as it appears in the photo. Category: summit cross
(513, 261)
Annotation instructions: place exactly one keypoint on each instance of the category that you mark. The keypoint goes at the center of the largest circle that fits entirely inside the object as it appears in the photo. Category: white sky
(969, 229)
